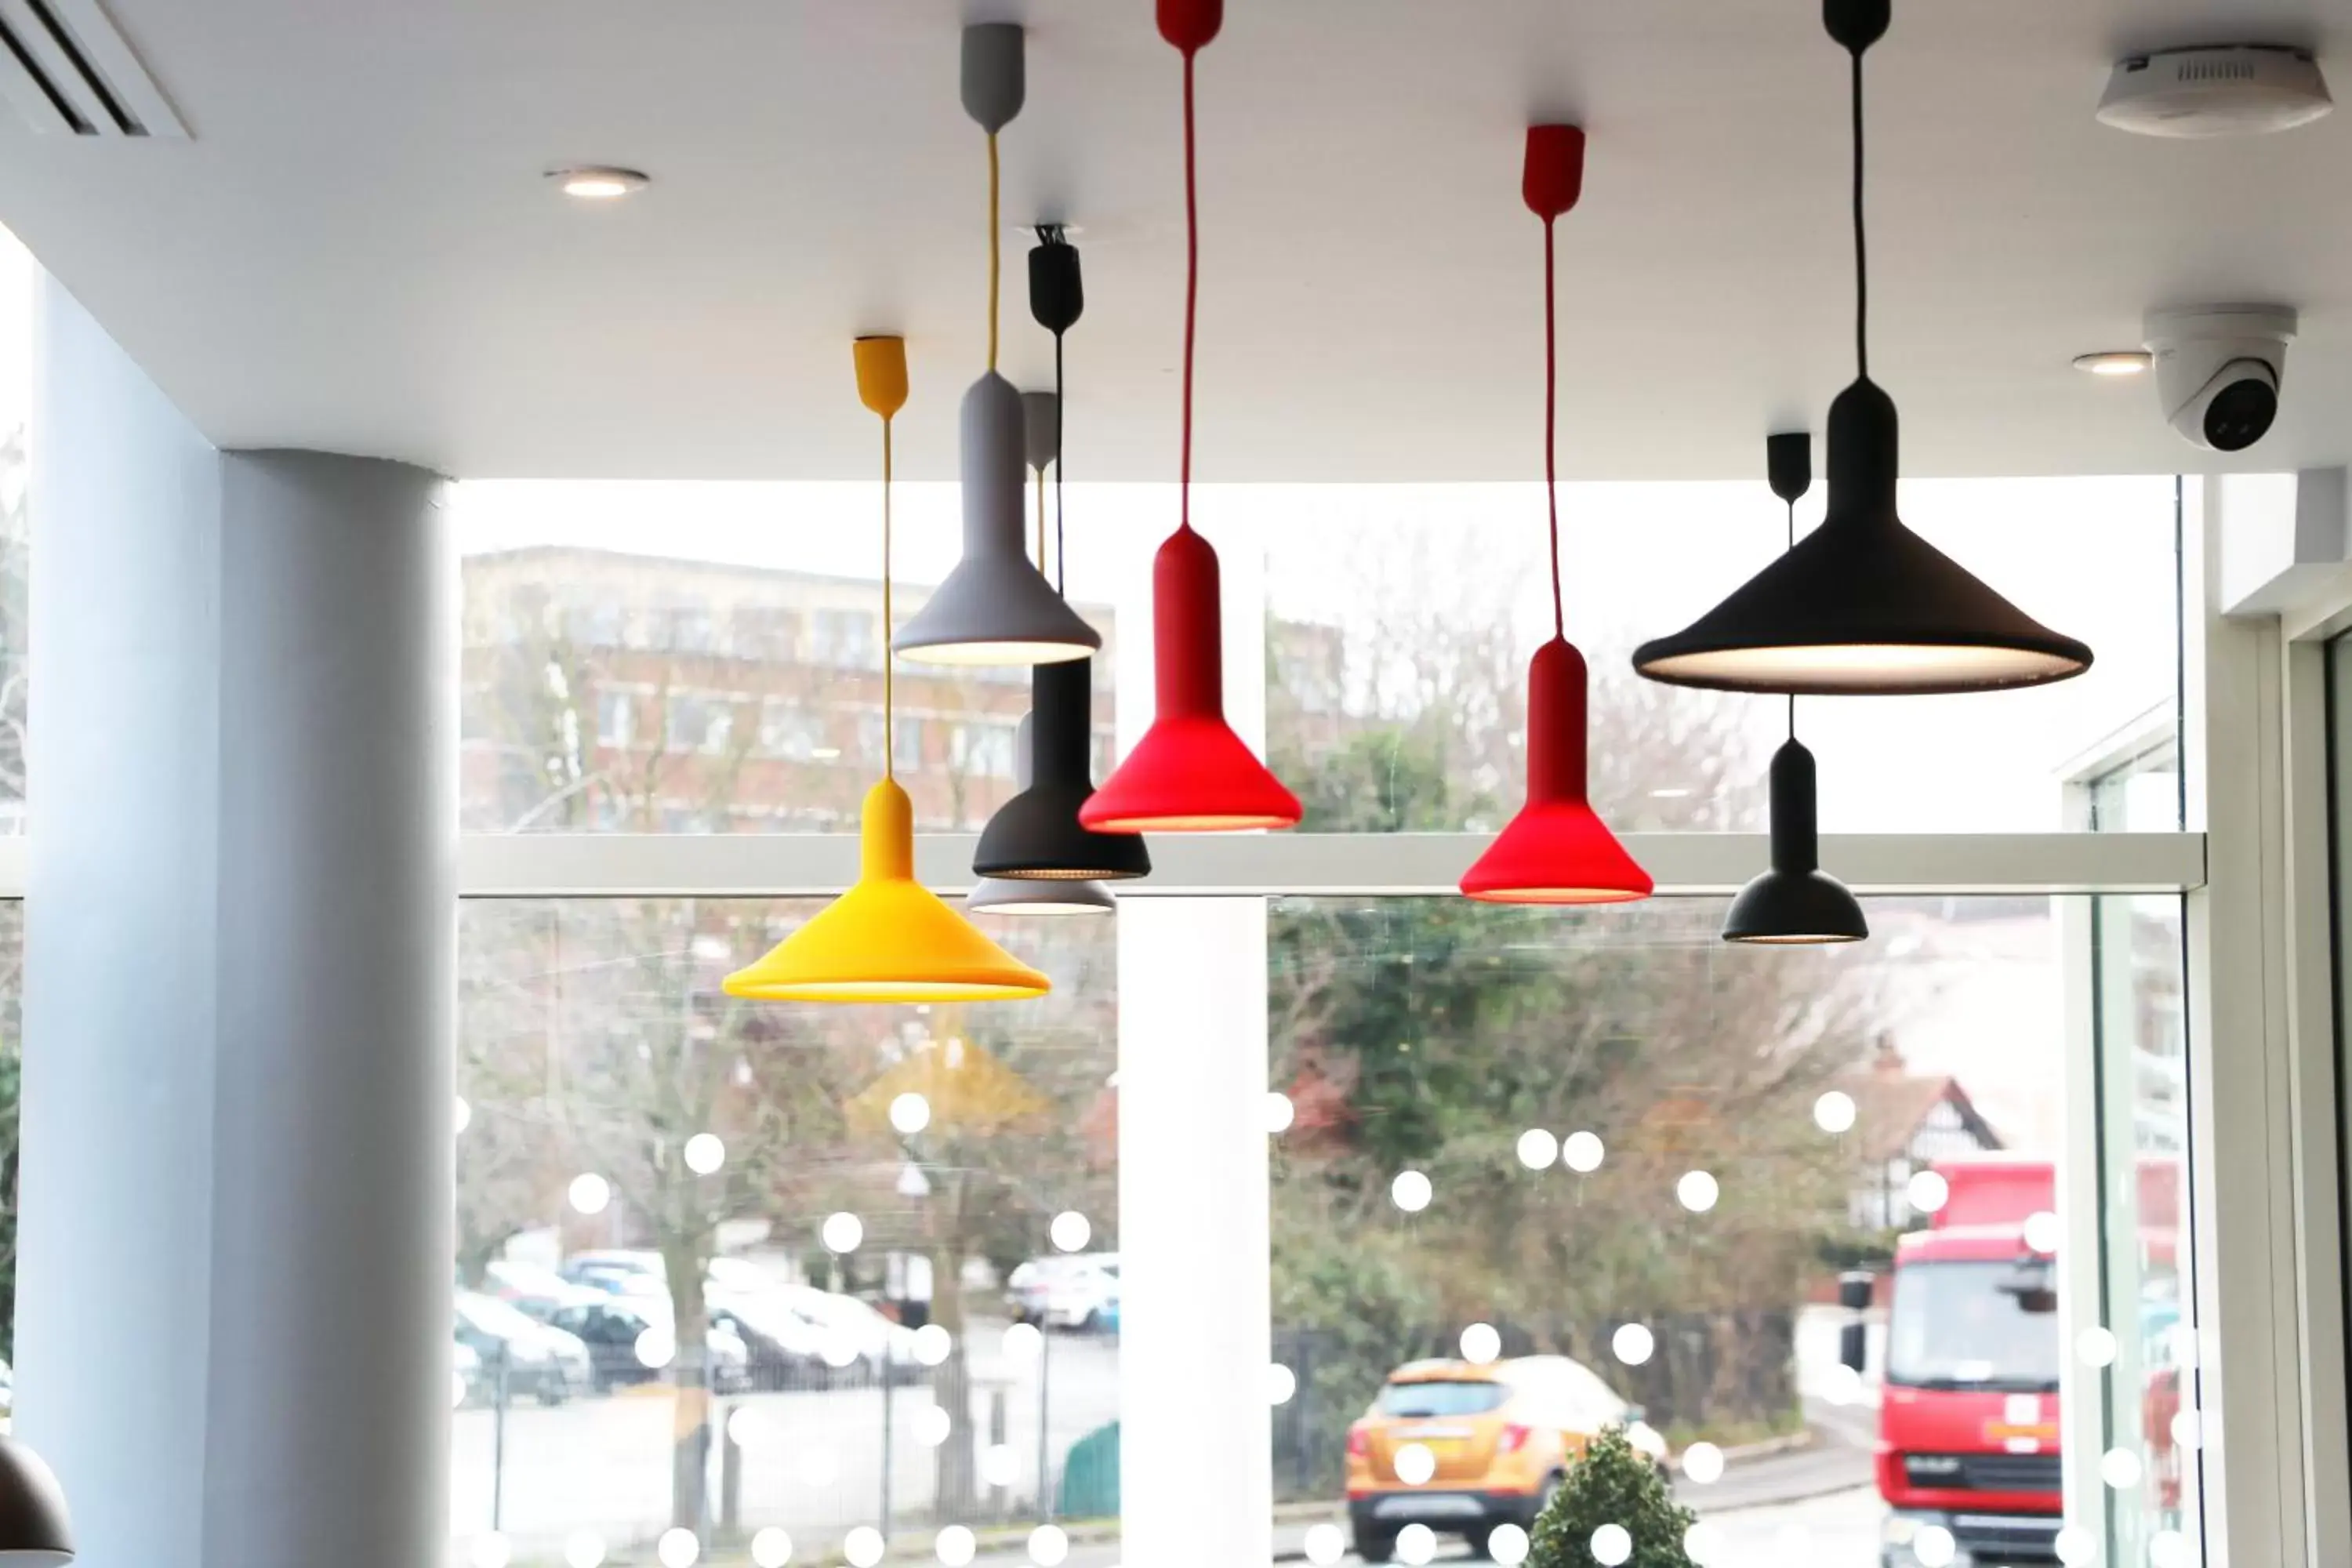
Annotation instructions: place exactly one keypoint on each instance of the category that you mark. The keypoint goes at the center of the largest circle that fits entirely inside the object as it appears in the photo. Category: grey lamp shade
(1004, 896)
(34, 1530)
(996, 608)
(1795, 903)
(1036, 836)
(1862, 604)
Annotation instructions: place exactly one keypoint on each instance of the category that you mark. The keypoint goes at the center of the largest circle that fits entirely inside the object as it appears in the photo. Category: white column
(234, 1271)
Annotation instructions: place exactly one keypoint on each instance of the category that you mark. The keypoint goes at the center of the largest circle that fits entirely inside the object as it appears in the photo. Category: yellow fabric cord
(993, 261)
(889, 678)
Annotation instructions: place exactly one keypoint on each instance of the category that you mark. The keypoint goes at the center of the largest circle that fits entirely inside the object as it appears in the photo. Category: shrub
(1613, 1483)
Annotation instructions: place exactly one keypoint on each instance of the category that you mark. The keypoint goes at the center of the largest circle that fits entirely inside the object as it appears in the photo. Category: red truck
(1968, 1435)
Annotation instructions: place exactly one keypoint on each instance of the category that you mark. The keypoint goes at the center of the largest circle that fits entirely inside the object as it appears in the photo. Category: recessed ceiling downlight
(2119, 363)
(597, 183)
(2223, 89)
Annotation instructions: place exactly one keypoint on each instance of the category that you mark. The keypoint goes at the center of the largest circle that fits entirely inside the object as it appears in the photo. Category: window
(615, 718)
(765, 634)
(791, 732)
(685, 628)
(600, 625)
(759, 1268)
(845, 638)
(699, 722)
(984, 751)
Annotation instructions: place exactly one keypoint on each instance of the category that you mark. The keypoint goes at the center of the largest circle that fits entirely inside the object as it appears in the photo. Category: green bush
(1613, 1483)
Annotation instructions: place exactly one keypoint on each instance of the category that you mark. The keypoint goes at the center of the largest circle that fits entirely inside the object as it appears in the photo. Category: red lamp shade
(1191, 774)
(1556, 850)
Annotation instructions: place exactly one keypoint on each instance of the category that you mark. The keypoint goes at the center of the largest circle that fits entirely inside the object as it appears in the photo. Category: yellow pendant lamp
(888, 939)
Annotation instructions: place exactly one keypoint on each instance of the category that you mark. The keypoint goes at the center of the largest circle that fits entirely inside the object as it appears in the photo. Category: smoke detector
(2223, 89)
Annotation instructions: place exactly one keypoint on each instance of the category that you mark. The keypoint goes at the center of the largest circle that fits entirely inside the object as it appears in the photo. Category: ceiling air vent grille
(70, 73)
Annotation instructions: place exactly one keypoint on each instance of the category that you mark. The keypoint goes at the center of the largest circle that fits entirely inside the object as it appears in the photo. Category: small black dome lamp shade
(1796, 903)
(34, 1530)
(1863, 605)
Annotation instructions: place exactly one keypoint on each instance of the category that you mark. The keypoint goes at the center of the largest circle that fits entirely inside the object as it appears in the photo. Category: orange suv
(1463, 1448)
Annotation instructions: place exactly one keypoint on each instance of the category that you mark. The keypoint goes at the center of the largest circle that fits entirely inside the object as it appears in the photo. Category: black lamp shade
(1862, 604)
(1796, 902)
(34, 1530)
(1035, 836)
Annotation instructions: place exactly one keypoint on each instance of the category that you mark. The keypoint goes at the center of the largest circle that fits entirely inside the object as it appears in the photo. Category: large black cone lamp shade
(1795, 903)
(34, 1530)
(995, 607)
(1863, 605)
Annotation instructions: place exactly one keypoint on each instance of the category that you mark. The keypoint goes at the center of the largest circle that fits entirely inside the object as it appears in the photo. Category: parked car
(540, 1362)
(1501, 1435)
(786, 1349)
(618, 1271)
(1079, 1290)
(853, 1334)
(532, 1290)
(613, 1327)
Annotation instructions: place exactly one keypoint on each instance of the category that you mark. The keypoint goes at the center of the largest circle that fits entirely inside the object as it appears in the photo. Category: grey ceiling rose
(996, 608)
(1863, 605)
(34, 1532)
(1004, 896)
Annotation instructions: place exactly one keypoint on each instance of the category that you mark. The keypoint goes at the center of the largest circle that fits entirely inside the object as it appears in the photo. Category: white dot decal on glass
(1507, 1544)
(1414, 1464)
(491, 1550)
(2169, 1549)
(1935, 1546)
(839, 1350)
(1842, 1385)
(1538, 1149)
(1633, 1345)
(1281, 1382)
(842, 1232)
(747, 1427)
(820, 1468)
(862, 1546)
(910, 1113)
(933, 1424)
(1481, 1343)
(998, 1465)
(2120, 1468)
(932, 1345)
(590, 1193)
(461, 1115)
(1702, 1544)
(2076, 1546)
(1048, 1546)
(655, 1347)
(2043, 1232)
(705, 1153)
(1326, 1545)
(2095, 1347)
(2180, 1342)
(457, 1389)
(1927, 1193)
(2187, 1429)
(1070, 1232)
(678, 1549)
(1416, 1544)
(1024, 1343)
(1411, 1191)
(1582, 1153)
(1697, 1190)
(955, 1546)
(1280, 1112)
(1612, 1544)
(1835, 1111)
(583, 1549)
(1703, 1463)
(772, 1548)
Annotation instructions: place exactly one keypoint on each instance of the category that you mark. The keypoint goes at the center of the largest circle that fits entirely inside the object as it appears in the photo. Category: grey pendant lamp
(1863, 604)
(1795, 903)
(1037, 835)
(995, 607)
(34, 1532)
(1031, 895)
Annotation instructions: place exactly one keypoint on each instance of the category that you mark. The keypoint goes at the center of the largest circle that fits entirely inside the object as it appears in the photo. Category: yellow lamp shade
(888, 939)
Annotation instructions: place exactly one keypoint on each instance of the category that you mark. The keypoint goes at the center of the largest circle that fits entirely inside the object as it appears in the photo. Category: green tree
(1612, 1484)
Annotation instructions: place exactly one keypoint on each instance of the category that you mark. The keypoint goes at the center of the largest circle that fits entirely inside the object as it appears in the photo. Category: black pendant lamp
(1863, 605)
(1036, 836)
(1796, 903)
(34, 1530)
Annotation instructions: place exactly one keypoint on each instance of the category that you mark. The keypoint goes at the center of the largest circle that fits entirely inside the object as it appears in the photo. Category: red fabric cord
(1551, 428)
(1191, 295)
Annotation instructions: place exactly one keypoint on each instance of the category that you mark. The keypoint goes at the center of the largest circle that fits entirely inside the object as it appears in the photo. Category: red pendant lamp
(1556, 850)
(1189, 773)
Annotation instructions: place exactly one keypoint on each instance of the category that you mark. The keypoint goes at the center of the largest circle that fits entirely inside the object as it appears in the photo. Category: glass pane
(2153, 1422)
(1401, 619)
(1614, 1169)
(733, 1268)
(12, 1071)
(16, 278)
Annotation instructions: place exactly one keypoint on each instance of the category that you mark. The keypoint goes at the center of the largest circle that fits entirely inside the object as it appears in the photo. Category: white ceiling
(357, 251)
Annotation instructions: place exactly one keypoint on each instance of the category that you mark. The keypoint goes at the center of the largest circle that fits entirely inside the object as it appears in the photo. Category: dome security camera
(2218, 370)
